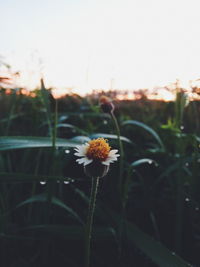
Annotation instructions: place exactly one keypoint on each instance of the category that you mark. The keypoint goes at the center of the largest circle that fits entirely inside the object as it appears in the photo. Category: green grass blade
(110, 136)
(45, 98)
(146, 128)
(54, 200)
(143, 161)
(154, 249)
(19, 142)
(23, 177)
(157, 252)
(74, 232)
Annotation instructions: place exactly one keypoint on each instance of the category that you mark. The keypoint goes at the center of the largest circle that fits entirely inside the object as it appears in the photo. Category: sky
(101, 43)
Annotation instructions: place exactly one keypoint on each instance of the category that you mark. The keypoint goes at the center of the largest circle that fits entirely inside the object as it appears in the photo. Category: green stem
(88, 226)
(121, 153)
(179, 212)
(51, 184)
(54, 130)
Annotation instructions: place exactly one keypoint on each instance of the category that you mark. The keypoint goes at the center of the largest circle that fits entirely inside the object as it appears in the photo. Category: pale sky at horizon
(85, 44)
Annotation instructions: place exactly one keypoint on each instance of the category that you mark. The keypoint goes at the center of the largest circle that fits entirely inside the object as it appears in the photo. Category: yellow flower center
(98, 149)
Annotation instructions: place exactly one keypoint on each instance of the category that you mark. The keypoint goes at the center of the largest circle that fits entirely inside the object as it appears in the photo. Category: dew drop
(187, 199)
(150, 161)
(68, 181)
(186, 164)
(182, 127)
(105, 122)
(173, 253)
(43, 182)
(197, 208)
(67, 151)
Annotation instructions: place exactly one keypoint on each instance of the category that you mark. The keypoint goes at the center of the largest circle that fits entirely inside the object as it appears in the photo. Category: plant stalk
(88, 226)
(121, 153)
(179, 212)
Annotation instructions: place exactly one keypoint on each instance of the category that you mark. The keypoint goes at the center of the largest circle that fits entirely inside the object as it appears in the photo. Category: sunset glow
(101, 44)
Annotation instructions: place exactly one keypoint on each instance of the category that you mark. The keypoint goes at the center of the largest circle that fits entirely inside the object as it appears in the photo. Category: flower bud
(106, 104)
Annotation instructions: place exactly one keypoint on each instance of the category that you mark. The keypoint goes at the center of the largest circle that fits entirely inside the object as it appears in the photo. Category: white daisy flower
(98, 152)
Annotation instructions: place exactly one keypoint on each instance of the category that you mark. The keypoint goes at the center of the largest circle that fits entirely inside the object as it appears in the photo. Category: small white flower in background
(96, 156)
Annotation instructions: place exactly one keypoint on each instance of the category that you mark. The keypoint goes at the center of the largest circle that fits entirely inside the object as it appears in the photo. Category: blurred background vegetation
(44, 192)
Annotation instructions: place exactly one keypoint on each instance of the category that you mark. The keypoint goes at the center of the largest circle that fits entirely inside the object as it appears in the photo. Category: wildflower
(96, 156)
(106, 104)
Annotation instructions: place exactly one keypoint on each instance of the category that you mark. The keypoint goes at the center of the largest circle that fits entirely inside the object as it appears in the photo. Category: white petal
(112, 158)
(81, 150)
(87, 161)
(112, 152)
(81, 161)
(105, 163)
(79, 154)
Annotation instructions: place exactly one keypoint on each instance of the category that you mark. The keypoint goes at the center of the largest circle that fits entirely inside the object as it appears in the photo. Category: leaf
(12, 117)
(150, 247)
(74, 232)
(75, 128)
(80, 139)
(54, 200)
(174, 167)
(157, 252)
(65, 125)
(18, 142)
(147, 128)
(154, 249)
(110, 136)
(143, 161)
(23, 177)
(45, 98)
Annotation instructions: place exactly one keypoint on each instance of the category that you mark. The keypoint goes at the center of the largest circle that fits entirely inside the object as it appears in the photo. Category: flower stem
(88, 226)
(121, 154)
(179, 210)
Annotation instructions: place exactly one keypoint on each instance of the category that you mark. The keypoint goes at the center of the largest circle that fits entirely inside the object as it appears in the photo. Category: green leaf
(154, 249)
(46, 102)
(74, 232)
(157, 252)
(143, 161)
(81, 139)
(65, 125)
(146, 128)
(18, 142)
(54, 200)
(12, 117)
(110, 136)
(174, 167)
(149, 246)
(23, 177)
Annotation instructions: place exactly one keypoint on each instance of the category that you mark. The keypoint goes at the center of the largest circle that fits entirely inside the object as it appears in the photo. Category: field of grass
(147, 208)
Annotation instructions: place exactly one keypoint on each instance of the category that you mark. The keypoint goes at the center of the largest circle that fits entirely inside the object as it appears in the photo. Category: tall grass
(44, 194)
